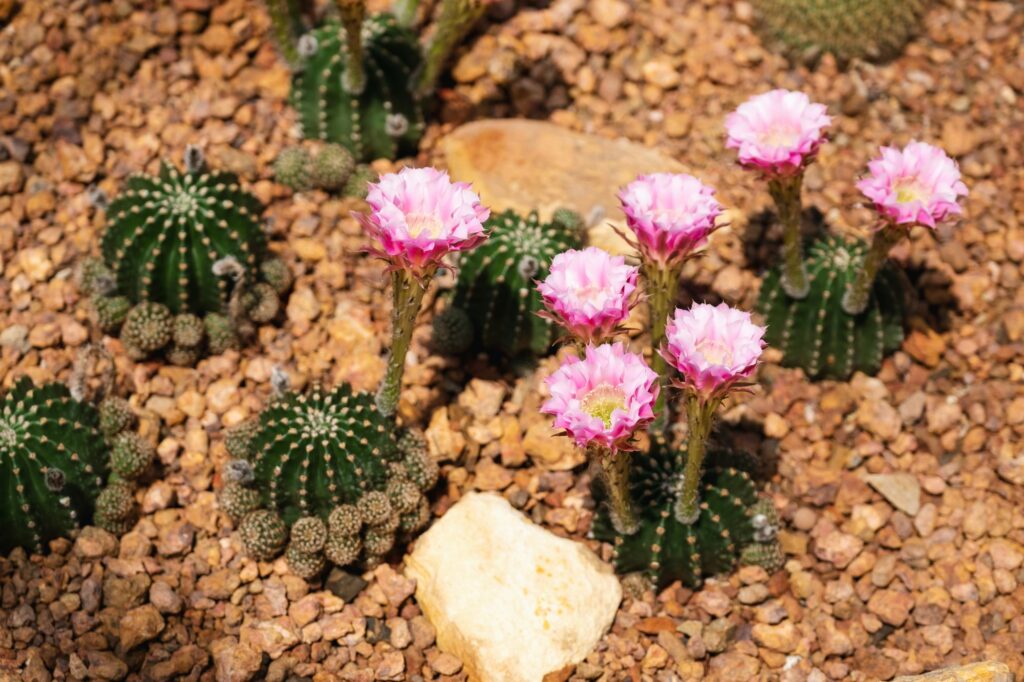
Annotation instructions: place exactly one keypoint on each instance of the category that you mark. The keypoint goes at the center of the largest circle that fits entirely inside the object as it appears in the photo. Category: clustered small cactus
(322, 477)
(331, 169)
(848, 29)
(54, 461)
(734, 524)
(495, 303)
(184, 268)
(815, 333)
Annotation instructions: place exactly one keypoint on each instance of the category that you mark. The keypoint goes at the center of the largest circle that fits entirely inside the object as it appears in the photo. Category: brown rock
(838, 548)
(734, 665)
(234, 662)
(890, 606)
(140, 625)
(783, 637)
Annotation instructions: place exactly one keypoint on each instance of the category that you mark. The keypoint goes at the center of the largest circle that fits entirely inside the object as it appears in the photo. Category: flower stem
(857, 294)
(405, 12)
(615, 474)
(661, 282)
(457, 18)
(353, 12)
(786, 193)
(407, 296)
(700, 415)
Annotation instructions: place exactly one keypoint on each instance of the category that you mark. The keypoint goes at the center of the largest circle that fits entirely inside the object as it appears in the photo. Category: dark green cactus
(496, 287)
(327, 460)
(452, 331)
(384, 119)
(332, 167)
(665, 550)
(53, 461)
(815, 333)
(849, 29)
(180, 247)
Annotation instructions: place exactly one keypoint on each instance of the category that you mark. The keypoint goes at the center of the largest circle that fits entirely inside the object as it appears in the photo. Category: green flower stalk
(456, 20)
(353, 13)
(614, 467)
(417, 217)
(857, 295)
(785, 192)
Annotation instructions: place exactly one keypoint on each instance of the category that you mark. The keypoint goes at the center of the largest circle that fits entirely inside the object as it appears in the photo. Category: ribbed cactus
(180, 247)
(53, 461)
(849, 29)
(732, 521)
(496, 286)
(380, 119)
(326, 459)
(815, 333)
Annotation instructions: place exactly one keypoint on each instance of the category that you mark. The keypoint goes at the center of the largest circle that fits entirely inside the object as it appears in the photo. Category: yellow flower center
(909, 191)
(716, 352)
(419, 223)
(780, 137)
(600, 402)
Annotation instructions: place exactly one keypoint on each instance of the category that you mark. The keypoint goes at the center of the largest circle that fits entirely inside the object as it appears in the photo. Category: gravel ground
(873, 588)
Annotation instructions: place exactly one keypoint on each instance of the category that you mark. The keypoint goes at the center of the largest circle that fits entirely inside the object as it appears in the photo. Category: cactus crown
(496, 282)
(167, 232)
(328, 455)
(815, 333)
(385, 119)
(849, 29)
(664, 549)
(52, 464)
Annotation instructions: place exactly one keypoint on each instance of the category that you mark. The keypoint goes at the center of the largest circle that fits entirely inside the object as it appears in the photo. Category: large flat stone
(987, 671)
(534, 165)
(512, 601)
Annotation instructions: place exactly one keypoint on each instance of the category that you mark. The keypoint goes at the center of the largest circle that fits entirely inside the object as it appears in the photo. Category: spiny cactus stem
(855, 299)
(407, 294)
(700, 415)
(457, 18)
(353, 12)
(786, 193)
(661, 284)
(284, 22)
(615, 472)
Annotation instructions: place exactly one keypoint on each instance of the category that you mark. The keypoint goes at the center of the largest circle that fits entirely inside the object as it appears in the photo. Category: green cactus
(293, 168)
(332, 167)
(116, 415)
(180, 247)
(849, 29)
(332, 467)
(131, 455)
(52, 464)
(452, 331)
(115, 507)
(384, 118)
(815, 333)
(358, 184)
(496, 287)
(664, 549)
(286, 24)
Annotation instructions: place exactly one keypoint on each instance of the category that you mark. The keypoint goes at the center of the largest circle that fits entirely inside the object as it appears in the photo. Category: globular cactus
(849, 29)
(452, 331)
(815, 333)
(293, 168)
(180, 248)
(382, 120)
(328, 466)
(332, 166)
(53, 462)
(496, 282)
(732, 519)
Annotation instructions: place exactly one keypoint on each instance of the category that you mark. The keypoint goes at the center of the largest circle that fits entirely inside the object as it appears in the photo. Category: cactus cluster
(495, 297)
(331, 169)
(54, 459)
(381, 119)
(848, 29)
(734, 524)
(322, 477)
(815, 333)
(184, 267)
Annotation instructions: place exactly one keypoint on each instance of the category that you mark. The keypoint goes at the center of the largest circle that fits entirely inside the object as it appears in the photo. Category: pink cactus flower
(713, 347)
(777, 132)
(588, 292)
(671, 215)
(918, 184)
(603, 398)
(418, 215)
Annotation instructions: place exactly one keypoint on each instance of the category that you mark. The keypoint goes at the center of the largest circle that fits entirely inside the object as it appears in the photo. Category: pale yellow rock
(526, 165)
(511, 600)
(987, 671)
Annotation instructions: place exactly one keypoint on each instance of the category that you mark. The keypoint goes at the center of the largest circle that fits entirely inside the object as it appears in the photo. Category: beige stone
(987, 671)
(515, 602)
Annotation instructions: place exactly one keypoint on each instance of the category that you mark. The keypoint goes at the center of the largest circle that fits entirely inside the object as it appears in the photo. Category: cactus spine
(327, 458)
(496, 288)
(815, 333)
(366, 104)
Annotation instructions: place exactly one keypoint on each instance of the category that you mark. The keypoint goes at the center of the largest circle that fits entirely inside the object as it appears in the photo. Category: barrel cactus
(732, 522)
(181, 247)
(815, 333)
(329, 469)
(53, 464)
(849, 29)
(496, 289)
(382, 118)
